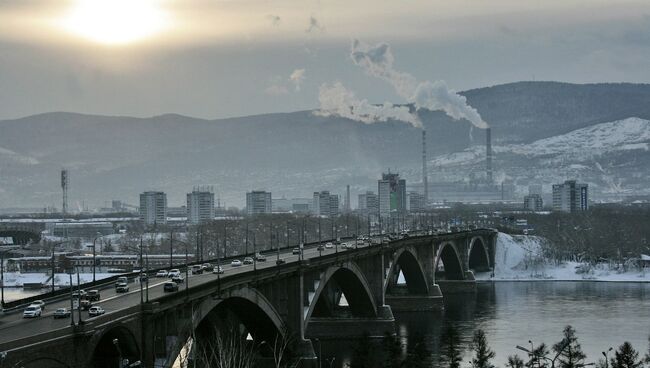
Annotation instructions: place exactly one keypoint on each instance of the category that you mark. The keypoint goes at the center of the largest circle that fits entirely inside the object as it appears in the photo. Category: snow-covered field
(519, 257)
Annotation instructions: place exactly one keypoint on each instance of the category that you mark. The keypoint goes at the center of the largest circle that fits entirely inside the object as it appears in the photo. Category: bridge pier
(416, 303)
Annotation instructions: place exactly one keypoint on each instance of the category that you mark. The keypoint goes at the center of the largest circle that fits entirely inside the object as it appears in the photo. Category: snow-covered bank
(520, 257)
(17, 279)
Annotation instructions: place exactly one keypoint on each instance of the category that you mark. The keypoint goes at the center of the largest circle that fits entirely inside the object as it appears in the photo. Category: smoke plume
(337, 100)
(378, 61)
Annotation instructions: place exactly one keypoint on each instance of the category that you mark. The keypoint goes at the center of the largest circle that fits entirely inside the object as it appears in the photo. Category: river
(512, 313)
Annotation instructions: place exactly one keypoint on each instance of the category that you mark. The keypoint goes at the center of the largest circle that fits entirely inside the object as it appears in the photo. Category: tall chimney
(488, 160)
(425, 179)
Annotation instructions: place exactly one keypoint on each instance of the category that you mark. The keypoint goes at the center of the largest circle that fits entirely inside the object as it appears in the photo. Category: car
(78, 293)
(178, 279)
(174, 272)
(248, 260)
(207, 267)
(197, 270)
(295, 251)
(123, 279)
(93, 295)
(329, 245)
(347, 246)
(217, 270)
(32, 311)
(96, 311)
(235, 263)
(121, 287)
(86, 304)
(280, 261)
(161, 273)
(40, 303)
(61, 313)
(143, 277)
(260, 257)
(170, 286)
(320, 248)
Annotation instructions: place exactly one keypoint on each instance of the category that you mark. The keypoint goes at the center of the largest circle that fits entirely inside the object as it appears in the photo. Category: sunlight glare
(115, 22)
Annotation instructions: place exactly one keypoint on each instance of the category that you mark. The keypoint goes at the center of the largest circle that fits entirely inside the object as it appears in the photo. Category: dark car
(280, 261)
(93, 295)
(86, 304)
(170, 287)
(295, 251)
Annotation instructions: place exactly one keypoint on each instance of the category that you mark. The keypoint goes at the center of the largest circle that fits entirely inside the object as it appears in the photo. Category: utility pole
(171, 249)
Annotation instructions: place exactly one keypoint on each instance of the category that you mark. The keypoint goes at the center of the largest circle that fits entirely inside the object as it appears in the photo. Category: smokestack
(425, 179)
(488, 159)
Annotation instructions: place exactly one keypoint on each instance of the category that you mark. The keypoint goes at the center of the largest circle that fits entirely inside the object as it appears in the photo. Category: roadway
(14, 326)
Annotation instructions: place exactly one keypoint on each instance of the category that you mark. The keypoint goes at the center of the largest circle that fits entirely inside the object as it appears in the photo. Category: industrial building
(153, 208)
(200, 205)
(258, 202)
(570, 197)
(80, 230)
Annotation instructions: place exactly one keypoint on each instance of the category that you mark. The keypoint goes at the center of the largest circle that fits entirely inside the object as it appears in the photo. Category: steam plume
(337, 100)
(378, 61)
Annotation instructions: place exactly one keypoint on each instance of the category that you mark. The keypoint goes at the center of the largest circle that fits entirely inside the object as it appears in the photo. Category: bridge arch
(452, 266)
(106, 353)
(478, 255)
(406, 261)
(44, 362)
(346, 279)
(235, 314)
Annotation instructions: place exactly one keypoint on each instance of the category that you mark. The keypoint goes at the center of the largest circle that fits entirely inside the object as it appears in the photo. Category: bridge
(21, 232)
(326, 294)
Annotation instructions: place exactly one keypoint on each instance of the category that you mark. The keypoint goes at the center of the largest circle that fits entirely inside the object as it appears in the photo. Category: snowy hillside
(627, 134)
(520, 257)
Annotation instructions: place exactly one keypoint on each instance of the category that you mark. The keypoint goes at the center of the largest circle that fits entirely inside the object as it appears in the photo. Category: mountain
(294, 154)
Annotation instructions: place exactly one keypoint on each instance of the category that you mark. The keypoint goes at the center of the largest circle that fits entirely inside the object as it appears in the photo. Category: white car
(61, 313)
(40, 303)
(161, 273)
(32, 311)
(96, 311)
(329, 245)
(235, 263)
(174, 272)
(217, 270)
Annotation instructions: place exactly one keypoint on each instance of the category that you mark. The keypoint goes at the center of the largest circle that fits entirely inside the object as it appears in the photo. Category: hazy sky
(211, 58)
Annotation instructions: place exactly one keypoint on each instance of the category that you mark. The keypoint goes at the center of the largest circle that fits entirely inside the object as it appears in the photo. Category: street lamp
(99, 235)
(606, 357)
(116, 342)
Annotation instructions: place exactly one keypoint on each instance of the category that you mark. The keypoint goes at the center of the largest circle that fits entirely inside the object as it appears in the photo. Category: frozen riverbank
(520, 257)
(17, 279)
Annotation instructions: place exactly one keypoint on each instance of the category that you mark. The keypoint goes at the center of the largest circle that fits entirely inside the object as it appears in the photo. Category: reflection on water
(18, 293)
(603, 313)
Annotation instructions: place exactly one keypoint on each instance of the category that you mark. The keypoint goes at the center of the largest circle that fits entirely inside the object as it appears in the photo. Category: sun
(115, 22)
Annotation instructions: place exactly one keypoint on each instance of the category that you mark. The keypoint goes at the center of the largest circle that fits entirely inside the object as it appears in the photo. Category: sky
(224, 58)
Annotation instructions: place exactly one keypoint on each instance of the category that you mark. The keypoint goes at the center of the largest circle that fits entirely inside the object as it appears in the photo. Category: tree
(569, 350)
(362, 355)
(418, 355)
(482, 352)
(647, 355)
(450, 347)
(514, 361)
(537, 357)
(626, 357)
(393, 348)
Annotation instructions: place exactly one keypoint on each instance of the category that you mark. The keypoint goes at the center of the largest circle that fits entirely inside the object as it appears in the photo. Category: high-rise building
(200, 205)
(368, 203)
(153, 208)
(258, 202)
(346, 205)
(415, 202)
(570, 197)
(325, 204)
(392, 194)
(533, 202)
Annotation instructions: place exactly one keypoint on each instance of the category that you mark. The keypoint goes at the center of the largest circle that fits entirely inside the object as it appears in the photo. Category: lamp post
(606, 357)
(116, 342)
(98, 236)
(2, 280)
